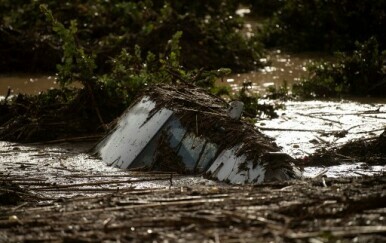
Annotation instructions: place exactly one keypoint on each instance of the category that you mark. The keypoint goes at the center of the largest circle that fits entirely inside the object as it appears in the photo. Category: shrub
(264, 8)
(320, 25)
(211, 32)
(72, 112)
(359, 73)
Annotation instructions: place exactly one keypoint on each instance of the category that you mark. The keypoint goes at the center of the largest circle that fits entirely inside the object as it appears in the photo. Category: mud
(43, 167)
(59, 193)
(101, 204)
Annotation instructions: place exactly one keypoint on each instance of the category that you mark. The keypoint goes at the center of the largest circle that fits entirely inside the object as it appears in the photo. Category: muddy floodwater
(26, 83)
(71, 164)
(280, 68)
(59, 192)
(31, 84)
(300, 129)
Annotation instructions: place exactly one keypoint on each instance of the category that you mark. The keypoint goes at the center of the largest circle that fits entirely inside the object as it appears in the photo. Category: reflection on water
(303, 127)
(26, 84)
(345, 170)
(280, 67)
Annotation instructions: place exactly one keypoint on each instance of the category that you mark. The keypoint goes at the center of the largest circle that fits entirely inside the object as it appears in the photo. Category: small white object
(235, 109)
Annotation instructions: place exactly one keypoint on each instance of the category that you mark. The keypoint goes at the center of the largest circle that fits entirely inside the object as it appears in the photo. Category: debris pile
(317, 210)
(369, 150)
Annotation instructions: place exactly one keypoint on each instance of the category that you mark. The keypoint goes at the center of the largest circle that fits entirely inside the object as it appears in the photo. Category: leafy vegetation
(72, 112)
(211, 36)
(361, 72)
(319, 25)
(329, 26)
(116, 48)
(282, 92)
(264, 8)
(253, 107)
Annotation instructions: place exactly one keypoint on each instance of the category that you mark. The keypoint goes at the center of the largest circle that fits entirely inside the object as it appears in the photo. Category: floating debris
(184, 129)
(313, 210)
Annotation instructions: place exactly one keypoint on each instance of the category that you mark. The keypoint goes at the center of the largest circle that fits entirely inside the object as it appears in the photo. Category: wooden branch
(321, 118)
(289, 129)
(150, 205)
(73, 139)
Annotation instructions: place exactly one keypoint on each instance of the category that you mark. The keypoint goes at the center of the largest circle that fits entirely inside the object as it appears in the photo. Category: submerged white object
(153, 138)
(236, 169)
(235, 109)
(132, 135)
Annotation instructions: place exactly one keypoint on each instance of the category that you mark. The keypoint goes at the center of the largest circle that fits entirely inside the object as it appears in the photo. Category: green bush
(211, 36)
(359, 73)
(68, 112)
(325, 25)
(264, 8)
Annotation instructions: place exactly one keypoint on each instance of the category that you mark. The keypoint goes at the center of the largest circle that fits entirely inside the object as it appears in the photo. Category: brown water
(300, 129)
(27, 83)
(281, 67)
